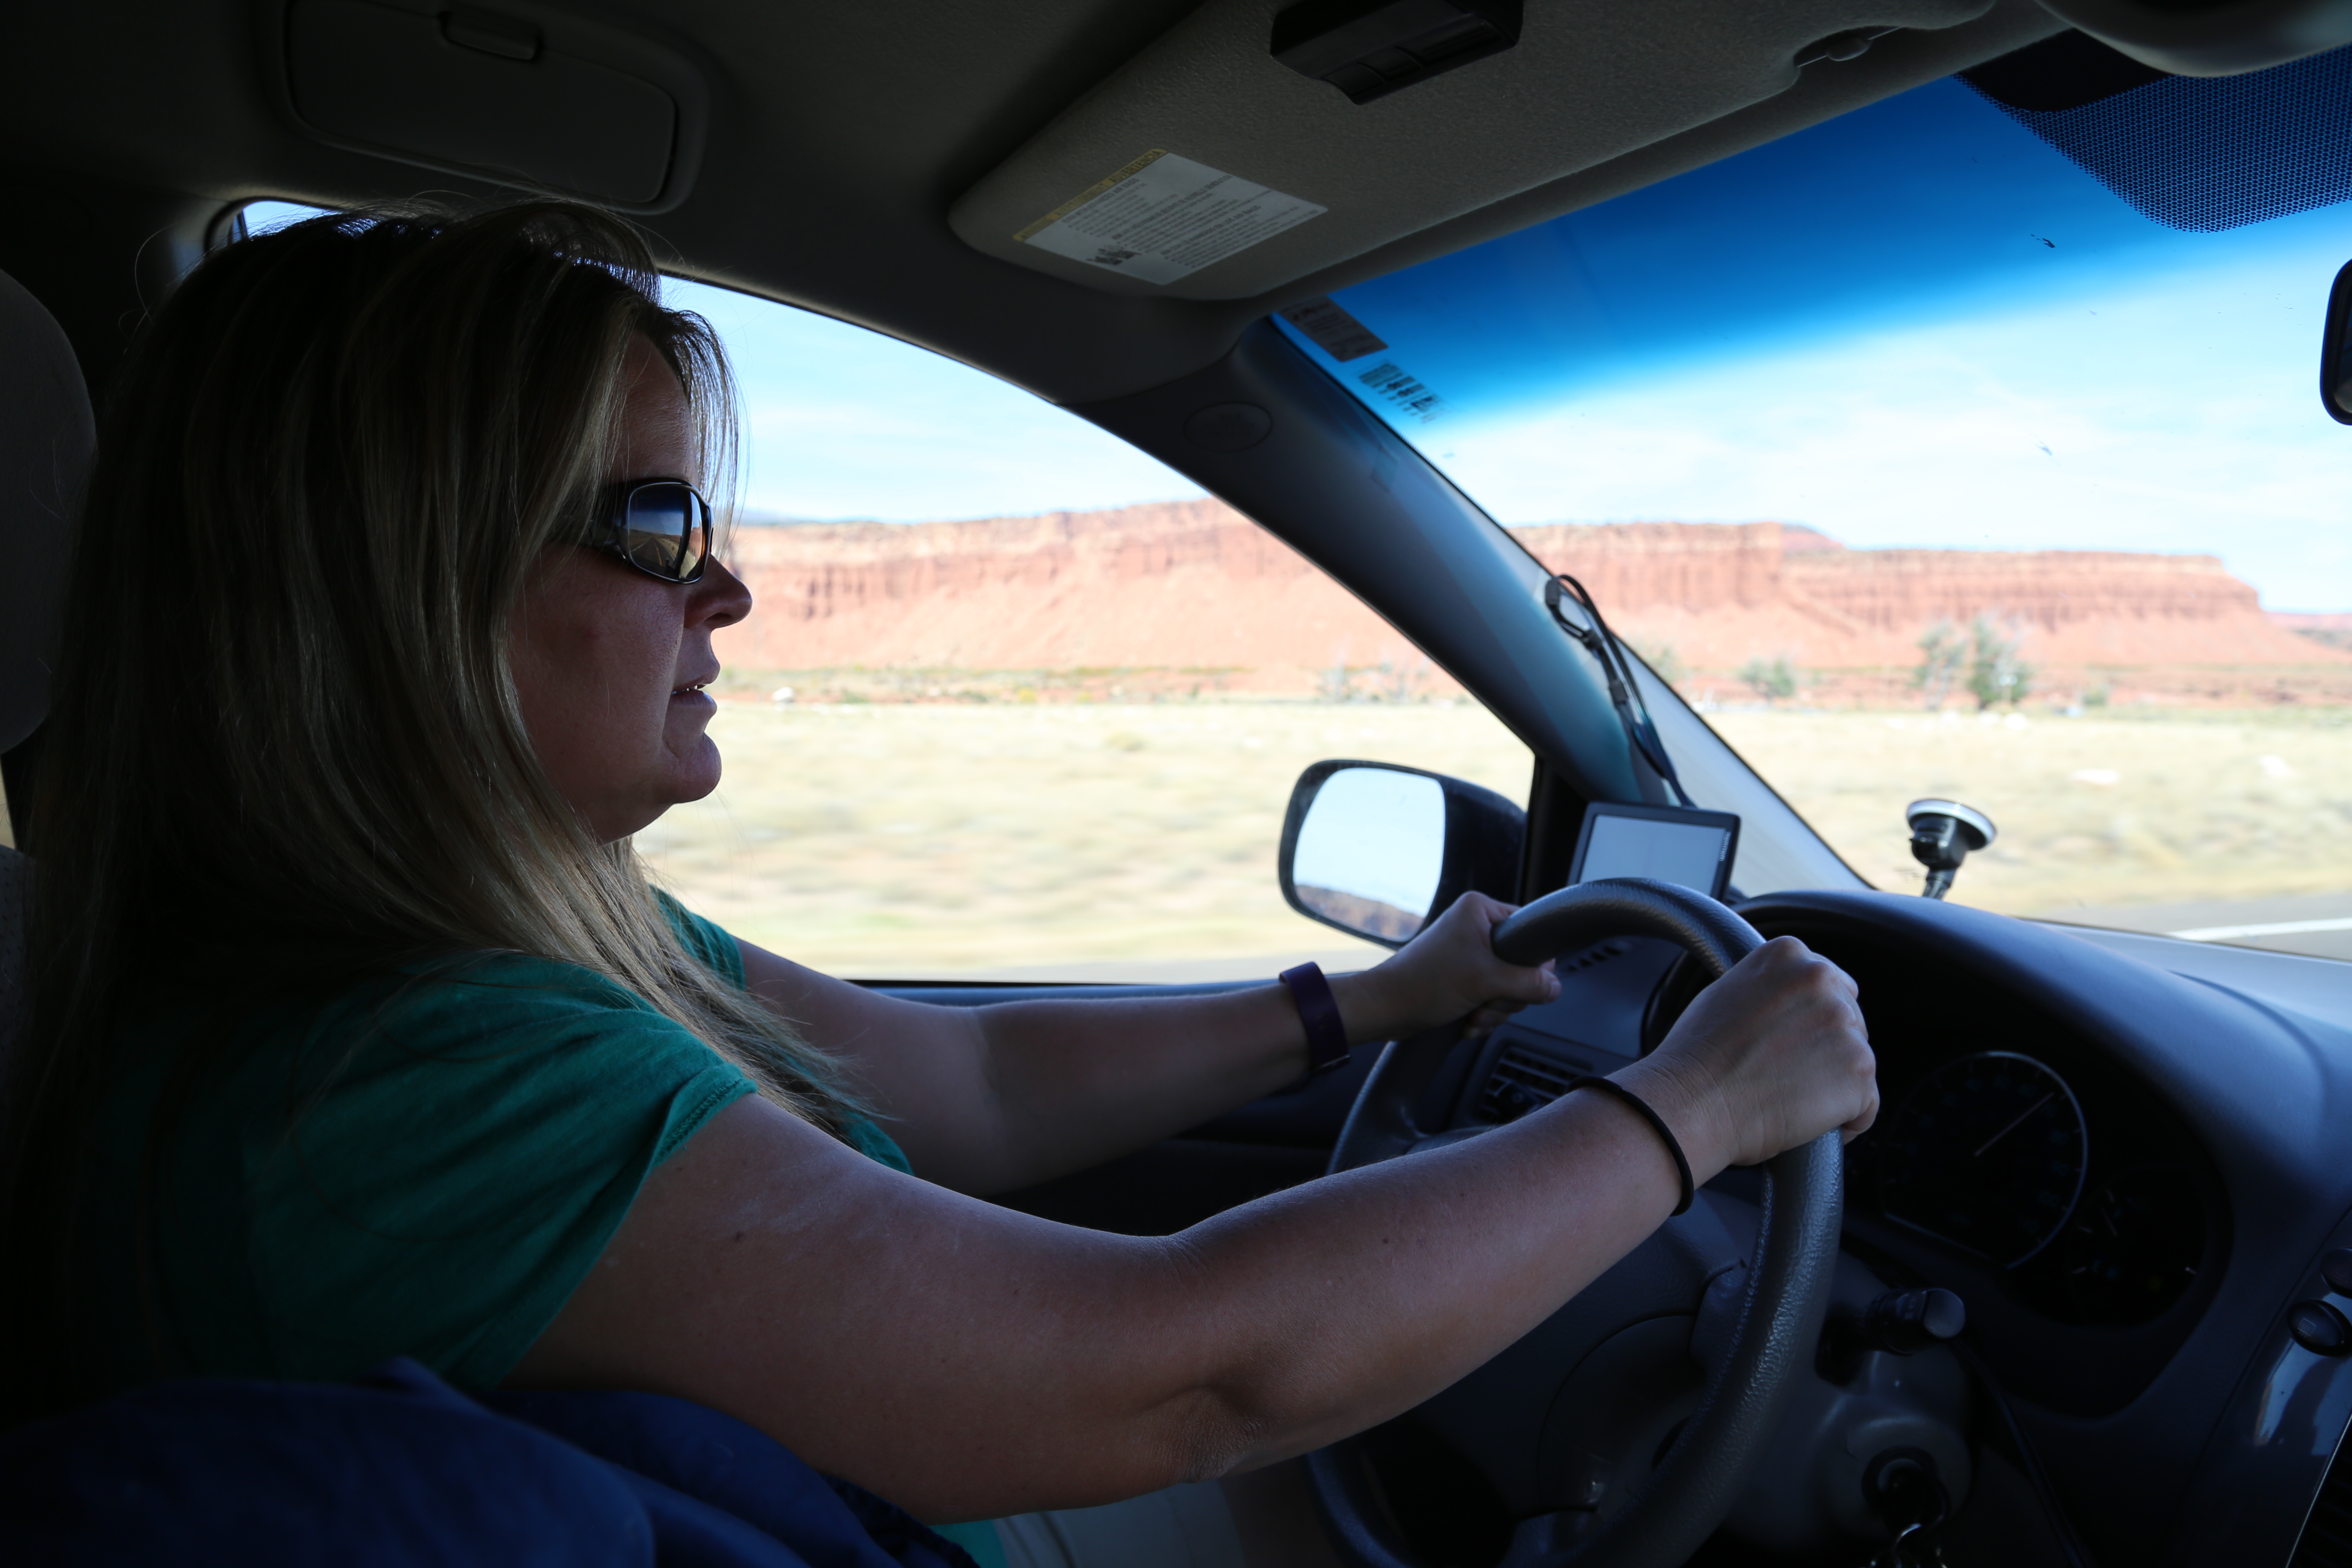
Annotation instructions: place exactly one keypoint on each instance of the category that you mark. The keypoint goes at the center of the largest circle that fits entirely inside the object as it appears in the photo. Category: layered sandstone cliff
(1725, 593)
(1170, 584)
(1196, 586)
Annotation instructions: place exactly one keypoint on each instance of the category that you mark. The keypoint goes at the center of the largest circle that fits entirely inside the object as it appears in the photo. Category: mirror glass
(1371, 850)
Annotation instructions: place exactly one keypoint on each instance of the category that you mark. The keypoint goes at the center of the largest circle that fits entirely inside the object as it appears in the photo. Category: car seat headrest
(45, 439)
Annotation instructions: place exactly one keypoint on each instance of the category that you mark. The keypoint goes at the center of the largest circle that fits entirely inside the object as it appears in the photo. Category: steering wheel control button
(2336, 1269)
(2319, 1328)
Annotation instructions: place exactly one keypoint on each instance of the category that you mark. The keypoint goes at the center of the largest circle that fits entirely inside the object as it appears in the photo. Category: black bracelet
(1665, 1134)
(1327, 1037)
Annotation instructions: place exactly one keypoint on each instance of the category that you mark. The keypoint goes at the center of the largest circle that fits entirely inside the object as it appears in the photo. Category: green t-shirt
(421, 1164)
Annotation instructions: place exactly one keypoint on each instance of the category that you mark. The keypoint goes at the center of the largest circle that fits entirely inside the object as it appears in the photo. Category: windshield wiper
(1641, 730)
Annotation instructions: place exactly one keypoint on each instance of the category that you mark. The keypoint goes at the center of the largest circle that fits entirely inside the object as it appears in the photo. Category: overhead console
(1369, 48)
(2227, 38)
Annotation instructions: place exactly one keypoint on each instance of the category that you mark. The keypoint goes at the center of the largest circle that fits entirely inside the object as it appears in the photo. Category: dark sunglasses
(661, 527)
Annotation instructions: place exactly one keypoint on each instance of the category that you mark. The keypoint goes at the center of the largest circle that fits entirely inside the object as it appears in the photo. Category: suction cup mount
(1943, 835)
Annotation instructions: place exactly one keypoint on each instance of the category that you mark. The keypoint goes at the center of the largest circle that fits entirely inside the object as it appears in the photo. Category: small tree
(1943, 651)
(1996, 673)
(1663, 661)
(1401, 682)
(1774, 681)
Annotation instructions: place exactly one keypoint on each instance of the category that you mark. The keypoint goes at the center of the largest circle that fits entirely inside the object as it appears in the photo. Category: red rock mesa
(1196, 585)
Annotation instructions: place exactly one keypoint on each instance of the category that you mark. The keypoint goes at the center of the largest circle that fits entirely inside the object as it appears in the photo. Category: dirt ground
(1092, 840)
(2210, 805)
(1138, 841)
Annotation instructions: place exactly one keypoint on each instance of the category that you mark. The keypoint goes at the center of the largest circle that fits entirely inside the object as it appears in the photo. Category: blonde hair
(285, 705)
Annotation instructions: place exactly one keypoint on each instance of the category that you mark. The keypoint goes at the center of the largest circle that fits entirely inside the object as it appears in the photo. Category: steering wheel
(1659, 1519)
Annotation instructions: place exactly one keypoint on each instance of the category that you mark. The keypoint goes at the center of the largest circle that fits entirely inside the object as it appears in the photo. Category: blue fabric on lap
(400, 1469)
(218, 1470)
(738, 1468)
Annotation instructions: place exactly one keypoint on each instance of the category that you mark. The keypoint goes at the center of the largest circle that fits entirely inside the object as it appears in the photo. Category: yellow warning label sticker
(1164, 216)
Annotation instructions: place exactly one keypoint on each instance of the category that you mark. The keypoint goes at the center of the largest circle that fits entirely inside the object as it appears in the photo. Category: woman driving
(358, 1030)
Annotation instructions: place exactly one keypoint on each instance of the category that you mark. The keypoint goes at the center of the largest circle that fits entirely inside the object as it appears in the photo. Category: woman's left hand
(1447, 972)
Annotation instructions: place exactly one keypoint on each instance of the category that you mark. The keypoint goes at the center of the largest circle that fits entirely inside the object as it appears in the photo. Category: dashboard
(2146, 1299)
(2134, 1179)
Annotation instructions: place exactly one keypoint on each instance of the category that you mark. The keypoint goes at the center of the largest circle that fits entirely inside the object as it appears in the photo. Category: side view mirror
(1379, 850)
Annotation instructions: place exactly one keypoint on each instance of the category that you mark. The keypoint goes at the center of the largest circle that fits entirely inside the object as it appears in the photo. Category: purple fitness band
(1326, 1037)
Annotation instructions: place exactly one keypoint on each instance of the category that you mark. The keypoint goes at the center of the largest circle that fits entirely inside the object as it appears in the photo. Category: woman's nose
(720, 599)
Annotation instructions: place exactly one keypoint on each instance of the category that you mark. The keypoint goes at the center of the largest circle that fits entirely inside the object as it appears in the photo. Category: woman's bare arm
(967, 1361)
(986, 1100)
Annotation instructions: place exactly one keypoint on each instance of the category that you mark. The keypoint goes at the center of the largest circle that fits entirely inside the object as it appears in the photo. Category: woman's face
(609, 663)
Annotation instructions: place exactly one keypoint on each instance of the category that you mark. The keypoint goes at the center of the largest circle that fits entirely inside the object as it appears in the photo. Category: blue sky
(1916, 325)
(843, 423)
(840, 422)
(2045, 425)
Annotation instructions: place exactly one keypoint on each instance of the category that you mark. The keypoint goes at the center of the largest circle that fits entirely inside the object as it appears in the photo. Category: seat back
(45, 439)
(12, 948)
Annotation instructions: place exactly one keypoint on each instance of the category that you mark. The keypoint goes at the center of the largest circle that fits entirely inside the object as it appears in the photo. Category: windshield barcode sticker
(1164, 218)
(1329, 327)
(1403, 391)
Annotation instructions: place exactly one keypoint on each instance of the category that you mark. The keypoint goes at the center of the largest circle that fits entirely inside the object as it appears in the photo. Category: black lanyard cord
(1641, 730)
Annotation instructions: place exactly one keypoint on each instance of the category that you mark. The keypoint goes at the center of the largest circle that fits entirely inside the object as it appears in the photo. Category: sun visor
(520, 95)
(1259, 141)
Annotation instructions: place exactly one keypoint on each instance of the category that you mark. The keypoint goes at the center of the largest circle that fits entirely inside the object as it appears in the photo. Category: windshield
(1924, 463)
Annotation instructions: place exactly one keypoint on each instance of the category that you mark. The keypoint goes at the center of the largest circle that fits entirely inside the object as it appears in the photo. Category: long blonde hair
(285, 705)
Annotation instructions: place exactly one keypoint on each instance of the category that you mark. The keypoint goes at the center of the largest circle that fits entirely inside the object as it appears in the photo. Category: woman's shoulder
(705, 939)
(282, 985)
(530, 1044)
(416, 1157)
(307, 1017)
(465, 994)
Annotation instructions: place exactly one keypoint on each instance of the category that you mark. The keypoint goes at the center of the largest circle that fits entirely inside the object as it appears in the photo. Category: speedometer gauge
(1987, 1154)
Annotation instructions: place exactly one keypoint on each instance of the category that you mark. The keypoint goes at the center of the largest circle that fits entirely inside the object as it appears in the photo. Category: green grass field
(1107, 840)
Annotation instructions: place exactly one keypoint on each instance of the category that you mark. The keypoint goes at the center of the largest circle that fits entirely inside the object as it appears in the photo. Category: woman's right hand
(1772, 1055)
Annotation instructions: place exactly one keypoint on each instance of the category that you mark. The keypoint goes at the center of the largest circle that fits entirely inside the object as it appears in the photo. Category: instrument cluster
(1992, 1153)
(2012, 1149)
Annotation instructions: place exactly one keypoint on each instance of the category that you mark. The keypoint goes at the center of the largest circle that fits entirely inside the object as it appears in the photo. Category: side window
(1015, 700)
(254, 217)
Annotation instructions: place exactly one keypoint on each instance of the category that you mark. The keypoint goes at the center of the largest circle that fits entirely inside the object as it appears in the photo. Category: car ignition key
(1905, 1490)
